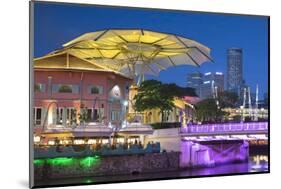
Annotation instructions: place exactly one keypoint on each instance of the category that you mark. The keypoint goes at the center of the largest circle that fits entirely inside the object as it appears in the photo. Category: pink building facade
(69, 96)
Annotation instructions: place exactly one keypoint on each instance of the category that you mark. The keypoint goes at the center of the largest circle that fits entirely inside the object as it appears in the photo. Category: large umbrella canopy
(137, 52)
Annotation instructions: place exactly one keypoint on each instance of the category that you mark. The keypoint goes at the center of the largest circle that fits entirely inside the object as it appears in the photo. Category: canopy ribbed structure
(137, 52)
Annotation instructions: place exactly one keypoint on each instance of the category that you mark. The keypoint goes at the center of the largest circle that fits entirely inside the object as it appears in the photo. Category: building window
(95, 114)
(70, 116)
(39, 87)
(115, 115)
(37, 115)
(64, 88)
(89, 114)
(66, 116)
(95, 89)
(59, 116)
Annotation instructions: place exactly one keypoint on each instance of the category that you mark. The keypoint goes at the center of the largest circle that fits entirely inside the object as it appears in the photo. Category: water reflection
(257, 163)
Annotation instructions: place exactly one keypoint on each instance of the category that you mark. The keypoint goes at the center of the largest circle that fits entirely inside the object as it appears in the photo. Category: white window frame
(35, 115)
(115, 115)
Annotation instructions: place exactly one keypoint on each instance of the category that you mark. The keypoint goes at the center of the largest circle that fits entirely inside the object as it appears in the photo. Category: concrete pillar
(64, 114)
(142, 139)
(43, 116)
(51, 119)
(50, 116)
(49, 86)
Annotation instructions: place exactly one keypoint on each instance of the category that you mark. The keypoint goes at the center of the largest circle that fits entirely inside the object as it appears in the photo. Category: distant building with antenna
(234, 70)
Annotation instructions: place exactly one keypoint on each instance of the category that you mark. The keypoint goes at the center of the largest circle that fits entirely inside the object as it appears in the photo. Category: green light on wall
(62, 161)
(89, 181)
(66, 161)
(38, 162)
(89, 161)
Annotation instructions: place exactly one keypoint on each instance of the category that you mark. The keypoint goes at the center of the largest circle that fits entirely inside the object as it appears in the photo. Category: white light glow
(243, 137)
(125, 103)
(116, 92)
(36, 139)
(120, 140)
(259, 136)
(190, 138)
(51, 142)
(64, 141)
(79, 141)
(124, 124)
(104, 141)
(92, 141)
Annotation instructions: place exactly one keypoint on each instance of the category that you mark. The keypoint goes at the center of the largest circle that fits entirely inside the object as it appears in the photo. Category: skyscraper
(194, 80)
(212, 82)
(234, 70)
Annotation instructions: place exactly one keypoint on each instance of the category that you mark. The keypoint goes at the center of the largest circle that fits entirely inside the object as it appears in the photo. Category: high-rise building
(212, 83)
(194, 80)
(234, 70)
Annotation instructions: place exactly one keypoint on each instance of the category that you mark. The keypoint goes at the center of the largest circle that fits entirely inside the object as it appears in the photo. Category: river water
(256, 163)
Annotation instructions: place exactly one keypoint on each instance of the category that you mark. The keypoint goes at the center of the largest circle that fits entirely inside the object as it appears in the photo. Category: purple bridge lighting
(226, 131)
(213, 144)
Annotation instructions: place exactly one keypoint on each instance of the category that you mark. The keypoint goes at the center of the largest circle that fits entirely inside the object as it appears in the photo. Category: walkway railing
(225, 127)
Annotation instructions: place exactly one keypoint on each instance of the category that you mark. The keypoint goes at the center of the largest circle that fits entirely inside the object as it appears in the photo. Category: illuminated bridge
(226, 131)
(212, 144)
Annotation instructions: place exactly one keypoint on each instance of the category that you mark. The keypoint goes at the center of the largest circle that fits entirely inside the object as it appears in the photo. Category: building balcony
(135, 128)
(92, 129)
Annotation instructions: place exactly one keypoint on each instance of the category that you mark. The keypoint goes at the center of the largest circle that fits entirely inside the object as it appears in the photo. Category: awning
(57, 135)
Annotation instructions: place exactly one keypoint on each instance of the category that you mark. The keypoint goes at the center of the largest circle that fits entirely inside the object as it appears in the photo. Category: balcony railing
(225, 127)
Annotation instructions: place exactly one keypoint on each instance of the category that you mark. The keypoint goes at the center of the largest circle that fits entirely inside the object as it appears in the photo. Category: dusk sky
(56, 24)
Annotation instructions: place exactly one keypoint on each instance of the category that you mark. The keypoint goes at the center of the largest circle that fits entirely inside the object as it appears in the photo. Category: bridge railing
(225, 127)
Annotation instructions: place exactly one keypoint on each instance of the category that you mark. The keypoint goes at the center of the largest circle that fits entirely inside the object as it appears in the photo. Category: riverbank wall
(45, 169)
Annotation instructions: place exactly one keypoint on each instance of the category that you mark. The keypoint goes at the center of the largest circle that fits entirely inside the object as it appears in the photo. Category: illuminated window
(39, 88)
(95, 89)
(116, 92)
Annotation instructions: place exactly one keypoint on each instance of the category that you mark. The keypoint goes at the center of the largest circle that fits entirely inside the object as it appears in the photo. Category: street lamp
(262, 112)
(125, 104)
(242, 113)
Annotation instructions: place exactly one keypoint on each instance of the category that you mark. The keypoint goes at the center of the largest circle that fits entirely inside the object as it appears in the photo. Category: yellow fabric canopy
(136, 52)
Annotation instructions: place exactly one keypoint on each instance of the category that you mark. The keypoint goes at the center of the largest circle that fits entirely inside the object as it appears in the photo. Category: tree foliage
(208, 111)
(154, 94)
(228, 99)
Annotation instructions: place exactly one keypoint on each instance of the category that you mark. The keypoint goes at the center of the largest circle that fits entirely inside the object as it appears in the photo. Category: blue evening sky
(56, 24)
